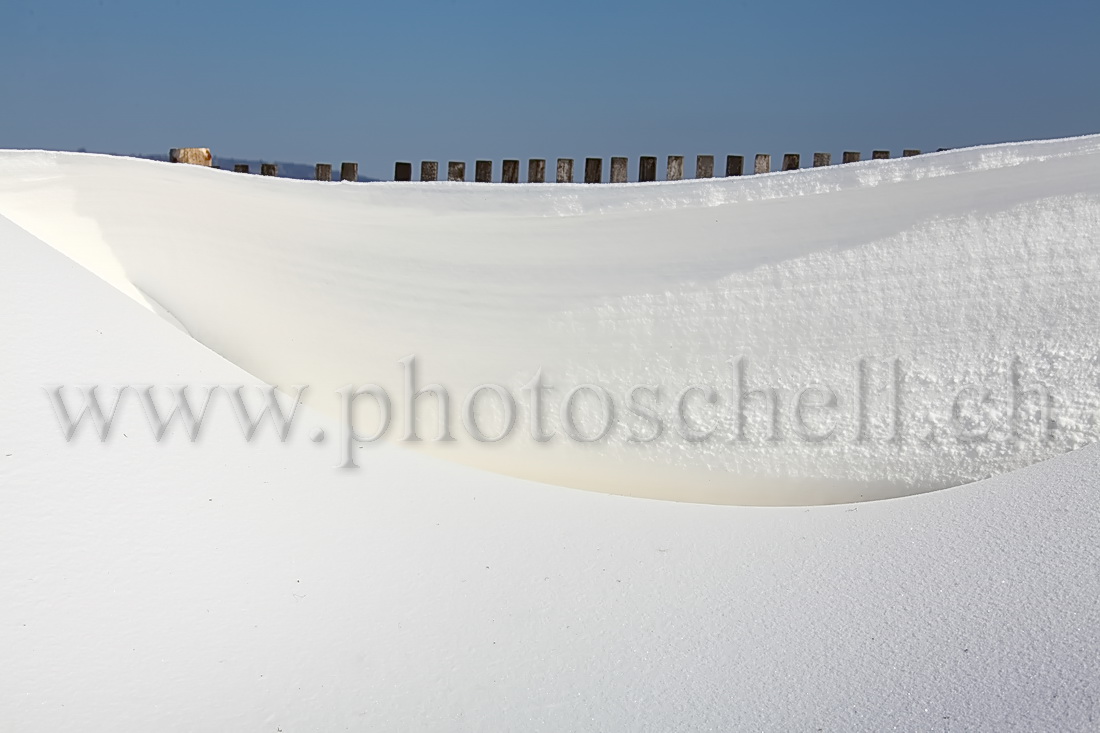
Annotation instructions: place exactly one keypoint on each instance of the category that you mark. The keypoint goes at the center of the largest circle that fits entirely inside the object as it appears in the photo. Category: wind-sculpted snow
(148, 585)
(868, 330)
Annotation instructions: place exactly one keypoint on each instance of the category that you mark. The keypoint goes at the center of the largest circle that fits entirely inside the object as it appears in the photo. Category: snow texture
(231, 586)
(972, 270)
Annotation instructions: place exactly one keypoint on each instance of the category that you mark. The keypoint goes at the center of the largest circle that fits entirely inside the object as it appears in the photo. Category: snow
(957, 265)
(250, 586)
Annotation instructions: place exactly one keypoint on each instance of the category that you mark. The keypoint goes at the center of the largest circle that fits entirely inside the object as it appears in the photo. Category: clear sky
(463, 79)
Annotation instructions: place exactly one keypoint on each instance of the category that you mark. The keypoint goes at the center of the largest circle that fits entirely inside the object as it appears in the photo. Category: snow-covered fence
(619, 169)
(536, 167)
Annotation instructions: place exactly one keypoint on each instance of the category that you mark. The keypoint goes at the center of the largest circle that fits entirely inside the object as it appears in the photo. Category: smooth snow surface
(960, 267)
(250, 587)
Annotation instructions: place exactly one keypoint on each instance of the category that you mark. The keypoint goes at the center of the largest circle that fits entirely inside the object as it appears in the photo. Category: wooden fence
(593, 168)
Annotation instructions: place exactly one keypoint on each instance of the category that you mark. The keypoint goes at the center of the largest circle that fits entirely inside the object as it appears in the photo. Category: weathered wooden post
(593, 170)
(565, 170)
(323, 171)
(851, 156)
(880, 154)
(269, 169)
(191, 156)
(456, 170)
(763, 163)
(674, 169)
(909, 153)
(536, 170)
(822, 159)
(509, 171)
(735, 165)
(618, 170)
(704, 166)
(349, 171)
(790, 161)
(483, 171)
(647, 168)
(429, 170)
(241, 168)
(402, 171)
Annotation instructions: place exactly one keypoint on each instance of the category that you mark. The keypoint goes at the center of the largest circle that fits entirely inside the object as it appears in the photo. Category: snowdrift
(869, 330)
(230, 586)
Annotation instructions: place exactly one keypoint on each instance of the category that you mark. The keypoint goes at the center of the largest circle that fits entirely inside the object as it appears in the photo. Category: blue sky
(463, 79)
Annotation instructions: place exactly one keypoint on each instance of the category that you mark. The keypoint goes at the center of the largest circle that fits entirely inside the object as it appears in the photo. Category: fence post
(735, 165)
(593, 170)
(880, 154)
(241, 168)
(429, 170)
(483, 171)
(618, 170)
(763, 163)
(674, 169)
(194, 156)
(790, 161)
(704, 166)
(822, 159)
(322, 172)
(851, 156)
(647, 168)
(565, 170)
(402, 171)
(509, 171)
(456, 171)
(349, 171)
(909, 153)
(269, 169)
(536, 170)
